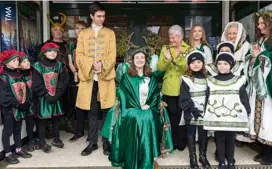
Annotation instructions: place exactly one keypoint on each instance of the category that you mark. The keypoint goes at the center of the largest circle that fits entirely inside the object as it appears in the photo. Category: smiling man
(96, 58)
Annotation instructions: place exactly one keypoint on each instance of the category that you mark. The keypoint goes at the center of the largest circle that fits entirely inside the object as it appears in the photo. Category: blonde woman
(197, 39)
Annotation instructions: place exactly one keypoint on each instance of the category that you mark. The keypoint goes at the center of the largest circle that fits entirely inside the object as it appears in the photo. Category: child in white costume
(227, 108)
(192, 100)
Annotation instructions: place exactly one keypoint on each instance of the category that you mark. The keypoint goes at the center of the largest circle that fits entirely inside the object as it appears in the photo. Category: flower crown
(266, 14)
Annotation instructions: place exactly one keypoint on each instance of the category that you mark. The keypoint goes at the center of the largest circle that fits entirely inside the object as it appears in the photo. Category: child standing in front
(49, 81)
(15, 102)
(227, 108)
(191, 101)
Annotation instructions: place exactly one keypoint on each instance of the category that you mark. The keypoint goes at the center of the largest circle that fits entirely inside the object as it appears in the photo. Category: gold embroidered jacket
(90, 48)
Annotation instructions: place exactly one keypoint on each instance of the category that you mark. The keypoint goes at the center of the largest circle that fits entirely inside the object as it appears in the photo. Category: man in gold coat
(96, 58)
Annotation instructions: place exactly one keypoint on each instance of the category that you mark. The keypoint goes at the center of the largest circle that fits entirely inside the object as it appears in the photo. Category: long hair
(267, 22)
(190, 74)
(132, 71)
(191, 36)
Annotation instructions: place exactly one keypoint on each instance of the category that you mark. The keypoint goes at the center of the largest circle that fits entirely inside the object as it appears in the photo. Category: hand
(256, 50)
(252, 60)
(24, 106)
(145, 107)
(97, 65)
(51, 99)
(197, 114)
(75, 77)
(167, 55)
(262, 58)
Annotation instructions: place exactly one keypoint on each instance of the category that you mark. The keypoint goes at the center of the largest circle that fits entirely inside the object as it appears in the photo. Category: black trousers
(30, 122)
(225, 144)
(11, 126)
(42, 127)
(93, 115)
(179, 135)
(191, 132)
(71, 94)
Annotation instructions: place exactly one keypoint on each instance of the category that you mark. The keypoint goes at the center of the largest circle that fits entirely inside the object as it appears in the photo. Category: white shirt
(96, 29)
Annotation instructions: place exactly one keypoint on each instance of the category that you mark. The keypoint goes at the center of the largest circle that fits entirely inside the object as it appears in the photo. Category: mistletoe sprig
(124, 44)
(154, 42)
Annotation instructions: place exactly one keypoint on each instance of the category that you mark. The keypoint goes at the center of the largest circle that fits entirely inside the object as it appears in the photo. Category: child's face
(223, 67)
(196, 65)
(25, 64)
(79, 28)
(225, 49)
(13, 64)
(51, 55)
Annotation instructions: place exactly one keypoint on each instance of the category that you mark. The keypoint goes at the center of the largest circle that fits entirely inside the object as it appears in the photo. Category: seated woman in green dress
(138, 125)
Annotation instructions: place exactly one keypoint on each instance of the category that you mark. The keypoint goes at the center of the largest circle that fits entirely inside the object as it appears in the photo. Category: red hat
(7, 56)
(22, 56)
(49, 46)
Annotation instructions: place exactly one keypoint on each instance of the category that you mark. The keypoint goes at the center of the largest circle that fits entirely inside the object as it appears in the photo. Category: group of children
(213, 103)
(31, 93)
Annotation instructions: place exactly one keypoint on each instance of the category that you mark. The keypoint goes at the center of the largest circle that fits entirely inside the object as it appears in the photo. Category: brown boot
(156, 165)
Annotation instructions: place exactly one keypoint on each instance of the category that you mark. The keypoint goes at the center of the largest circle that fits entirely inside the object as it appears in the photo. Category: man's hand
(97, 66)
(75, 76)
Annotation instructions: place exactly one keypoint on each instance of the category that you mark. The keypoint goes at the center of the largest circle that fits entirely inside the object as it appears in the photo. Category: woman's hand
(256, 50)
(145, 107)
(167, 55)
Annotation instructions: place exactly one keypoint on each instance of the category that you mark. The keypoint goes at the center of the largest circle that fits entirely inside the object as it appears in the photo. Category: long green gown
(136, 134)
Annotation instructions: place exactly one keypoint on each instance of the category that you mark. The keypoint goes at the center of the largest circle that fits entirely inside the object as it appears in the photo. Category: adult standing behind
(173, 62)
(96, 58)
(197, 39)
(236, 33)
(262, 78)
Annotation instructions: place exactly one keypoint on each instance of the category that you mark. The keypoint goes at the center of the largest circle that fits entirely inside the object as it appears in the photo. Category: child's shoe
(11, 159)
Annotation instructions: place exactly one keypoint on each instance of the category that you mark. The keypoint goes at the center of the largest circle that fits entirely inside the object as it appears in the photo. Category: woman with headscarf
(236, 33)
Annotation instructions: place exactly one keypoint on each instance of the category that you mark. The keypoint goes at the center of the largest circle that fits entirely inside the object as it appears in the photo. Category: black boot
(192, 153)
(49, 130)
(216, 155)
(267, 157)
(202, 154)
(106, 148)
(231, 166)
(259, 156)
(222, 166)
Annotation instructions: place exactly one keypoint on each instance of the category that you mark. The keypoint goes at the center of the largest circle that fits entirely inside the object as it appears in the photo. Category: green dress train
(136, 134)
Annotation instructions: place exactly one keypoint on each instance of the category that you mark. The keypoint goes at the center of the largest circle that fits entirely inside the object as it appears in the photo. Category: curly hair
(267, 17)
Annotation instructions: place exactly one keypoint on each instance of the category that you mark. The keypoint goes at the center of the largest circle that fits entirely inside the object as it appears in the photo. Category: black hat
(226, 56)
(195, 55)
(226, 44)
